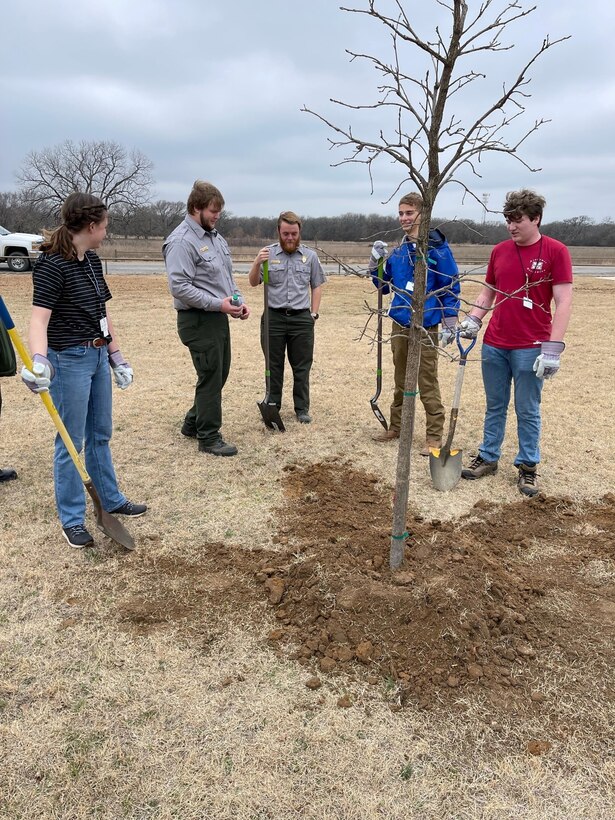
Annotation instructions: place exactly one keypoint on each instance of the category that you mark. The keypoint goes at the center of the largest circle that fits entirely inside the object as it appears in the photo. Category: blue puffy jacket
(442, 296)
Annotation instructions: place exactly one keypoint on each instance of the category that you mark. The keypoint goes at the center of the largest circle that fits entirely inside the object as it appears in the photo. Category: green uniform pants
(207, 337)
(429, 389)
(294, 335)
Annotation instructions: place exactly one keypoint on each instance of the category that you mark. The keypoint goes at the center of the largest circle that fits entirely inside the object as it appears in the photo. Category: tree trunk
(416, 338)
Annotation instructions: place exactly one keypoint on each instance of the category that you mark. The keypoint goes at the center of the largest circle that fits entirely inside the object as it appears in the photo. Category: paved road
(332, 269)
(149, 268)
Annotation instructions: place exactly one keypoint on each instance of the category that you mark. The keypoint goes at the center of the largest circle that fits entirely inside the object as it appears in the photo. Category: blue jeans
(499, 368)
(81, 392)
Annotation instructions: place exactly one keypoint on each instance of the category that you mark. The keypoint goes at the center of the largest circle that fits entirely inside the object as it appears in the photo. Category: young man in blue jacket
(441, 307)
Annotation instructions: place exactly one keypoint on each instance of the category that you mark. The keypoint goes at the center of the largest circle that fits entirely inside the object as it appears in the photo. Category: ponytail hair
(78, 211)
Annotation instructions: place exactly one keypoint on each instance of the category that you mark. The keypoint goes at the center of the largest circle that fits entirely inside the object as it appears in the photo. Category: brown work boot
(386, 435)
(479, 468)
(527, 483)
(431, 444)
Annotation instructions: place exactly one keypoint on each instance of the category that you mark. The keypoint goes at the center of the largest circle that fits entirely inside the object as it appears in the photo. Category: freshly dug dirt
(480, 603)
(477, 603)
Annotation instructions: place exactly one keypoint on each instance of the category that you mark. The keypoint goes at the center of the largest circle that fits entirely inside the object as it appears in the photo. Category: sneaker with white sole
(128, 508)
(479, 468)
(77, 536)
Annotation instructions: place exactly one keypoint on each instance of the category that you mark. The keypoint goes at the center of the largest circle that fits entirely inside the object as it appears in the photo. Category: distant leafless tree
(105, 169)
(431, 140)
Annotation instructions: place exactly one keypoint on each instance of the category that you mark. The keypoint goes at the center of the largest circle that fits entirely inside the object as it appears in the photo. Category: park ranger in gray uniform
(200, 272)
(295, 283)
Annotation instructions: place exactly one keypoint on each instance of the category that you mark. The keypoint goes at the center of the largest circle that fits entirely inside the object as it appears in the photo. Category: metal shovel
(445, 464)
(373, 401)
(269, 410)
(106, 522)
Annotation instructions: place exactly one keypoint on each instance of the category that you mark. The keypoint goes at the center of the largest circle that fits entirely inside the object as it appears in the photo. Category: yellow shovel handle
(51, 408)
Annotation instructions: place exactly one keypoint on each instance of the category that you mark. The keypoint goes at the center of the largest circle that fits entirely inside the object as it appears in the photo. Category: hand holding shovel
(104, 520)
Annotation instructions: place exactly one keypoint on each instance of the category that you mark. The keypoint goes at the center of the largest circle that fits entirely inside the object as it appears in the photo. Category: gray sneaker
(527, 483)
(479, 468)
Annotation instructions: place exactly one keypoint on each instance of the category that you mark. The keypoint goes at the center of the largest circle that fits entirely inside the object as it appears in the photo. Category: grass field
(254, 657)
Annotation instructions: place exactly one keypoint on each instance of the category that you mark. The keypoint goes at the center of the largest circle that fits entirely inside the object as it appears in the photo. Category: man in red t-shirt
(523, 342)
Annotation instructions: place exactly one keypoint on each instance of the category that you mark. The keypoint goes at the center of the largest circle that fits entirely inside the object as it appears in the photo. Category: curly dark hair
(523, 203)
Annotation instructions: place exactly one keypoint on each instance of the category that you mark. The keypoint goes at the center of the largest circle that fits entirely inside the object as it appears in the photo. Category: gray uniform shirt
(291, 276)
(199, 267)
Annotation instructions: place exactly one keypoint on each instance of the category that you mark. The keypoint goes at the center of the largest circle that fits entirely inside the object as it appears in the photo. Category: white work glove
(122, 371)
(40, 377)
(468, 329)
(379, 251)
(547, 364)
(449, 330)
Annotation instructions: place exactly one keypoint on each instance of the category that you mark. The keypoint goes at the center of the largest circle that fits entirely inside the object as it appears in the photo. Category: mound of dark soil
(478, 601)
(483, 603)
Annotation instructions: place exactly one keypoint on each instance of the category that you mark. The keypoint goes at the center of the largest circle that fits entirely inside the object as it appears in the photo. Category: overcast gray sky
(214, 91)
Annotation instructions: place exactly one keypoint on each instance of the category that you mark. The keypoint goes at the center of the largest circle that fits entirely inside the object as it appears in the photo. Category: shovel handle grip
(463, 351)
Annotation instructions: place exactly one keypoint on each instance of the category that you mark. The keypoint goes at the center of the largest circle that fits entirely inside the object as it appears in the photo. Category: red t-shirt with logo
(523, 278)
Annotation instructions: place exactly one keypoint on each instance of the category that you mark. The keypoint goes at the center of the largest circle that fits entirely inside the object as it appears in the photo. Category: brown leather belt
(95, 343)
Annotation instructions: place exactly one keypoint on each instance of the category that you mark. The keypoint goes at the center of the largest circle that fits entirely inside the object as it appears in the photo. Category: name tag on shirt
(527, 303)
(104, 326)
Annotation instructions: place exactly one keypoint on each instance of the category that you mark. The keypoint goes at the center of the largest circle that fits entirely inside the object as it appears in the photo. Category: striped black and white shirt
(75, 292)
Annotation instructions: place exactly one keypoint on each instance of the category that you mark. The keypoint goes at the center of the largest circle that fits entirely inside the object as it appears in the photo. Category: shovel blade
(271, 416)
(445, 469)
(109, 524)
(378, 413)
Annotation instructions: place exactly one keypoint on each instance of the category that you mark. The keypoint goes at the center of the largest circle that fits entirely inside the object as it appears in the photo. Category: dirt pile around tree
(479, 601)
(494, 602)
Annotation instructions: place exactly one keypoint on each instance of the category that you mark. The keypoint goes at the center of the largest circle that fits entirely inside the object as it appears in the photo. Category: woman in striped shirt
(72, 337)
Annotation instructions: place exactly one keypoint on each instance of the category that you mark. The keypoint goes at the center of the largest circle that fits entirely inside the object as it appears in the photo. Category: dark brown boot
(386, 435)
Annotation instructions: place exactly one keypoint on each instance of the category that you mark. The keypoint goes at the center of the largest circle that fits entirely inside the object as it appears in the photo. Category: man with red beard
(295, 283)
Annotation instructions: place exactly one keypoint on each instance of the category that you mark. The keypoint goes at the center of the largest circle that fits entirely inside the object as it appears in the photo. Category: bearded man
(296, 278)
(200, 273)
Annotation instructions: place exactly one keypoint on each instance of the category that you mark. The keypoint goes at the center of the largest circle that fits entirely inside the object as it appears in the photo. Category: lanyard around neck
(524, 269)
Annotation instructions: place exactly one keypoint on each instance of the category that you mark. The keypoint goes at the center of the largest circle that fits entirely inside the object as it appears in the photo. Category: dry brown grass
(100, 719)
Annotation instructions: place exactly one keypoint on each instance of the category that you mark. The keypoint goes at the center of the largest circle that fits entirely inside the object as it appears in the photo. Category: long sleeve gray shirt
(199, 267)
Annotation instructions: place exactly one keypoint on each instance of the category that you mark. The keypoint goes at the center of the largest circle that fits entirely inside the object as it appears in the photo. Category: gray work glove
(122, 371)
(40, 377)
(547, 363)
(468, 329)
(379, 251)
(449, 330)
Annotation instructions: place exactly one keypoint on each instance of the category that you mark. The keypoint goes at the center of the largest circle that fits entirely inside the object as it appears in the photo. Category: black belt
(94, 343)
(289, 311)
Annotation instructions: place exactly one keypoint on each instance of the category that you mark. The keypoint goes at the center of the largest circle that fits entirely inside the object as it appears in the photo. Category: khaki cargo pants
(429, 389)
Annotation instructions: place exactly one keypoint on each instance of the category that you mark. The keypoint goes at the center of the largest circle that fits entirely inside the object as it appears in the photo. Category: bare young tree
(104, 168)
(433, 139)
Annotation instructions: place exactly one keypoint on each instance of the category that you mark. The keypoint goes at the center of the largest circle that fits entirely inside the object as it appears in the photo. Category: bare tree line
(157, 219)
